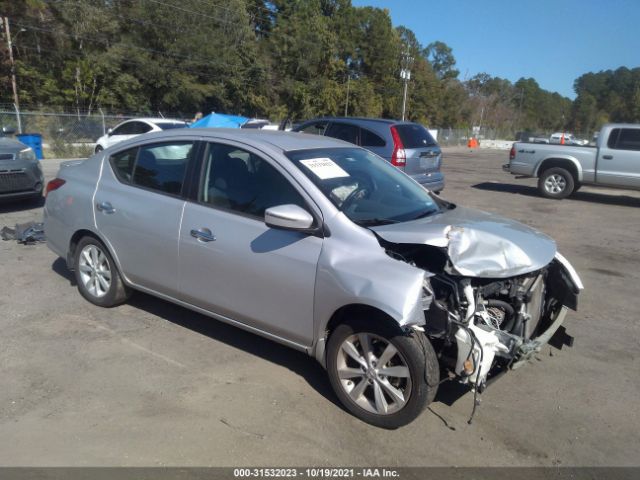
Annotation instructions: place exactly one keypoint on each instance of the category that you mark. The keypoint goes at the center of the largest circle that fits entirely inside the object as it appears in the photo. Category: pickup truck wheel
(556, 183)
(380, 373)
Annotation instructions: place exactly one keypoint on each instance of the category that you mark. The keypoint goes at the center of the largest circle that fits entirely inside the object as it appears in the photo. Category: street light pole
(405, 75)
(14, 85)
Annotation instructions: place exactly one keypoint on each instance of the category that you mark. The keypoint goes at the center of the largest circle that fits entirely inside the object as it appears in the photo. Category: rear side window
(613, 138)
(343, 131)
(140, 128)
(415, 136)
(123, 162)
(315, 128)
(370, 139)
(162, 167)
(628, 139)
(125, 129)
(169, 125)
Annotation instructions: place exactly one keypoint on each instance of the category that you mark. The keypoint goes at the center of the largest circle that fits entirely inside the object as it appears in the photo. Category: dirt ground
(149, 383)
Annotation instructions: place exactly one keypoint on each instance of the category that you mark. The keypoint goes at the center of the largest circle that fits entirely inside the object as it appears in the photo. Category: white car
(569, 139)
(134, 127)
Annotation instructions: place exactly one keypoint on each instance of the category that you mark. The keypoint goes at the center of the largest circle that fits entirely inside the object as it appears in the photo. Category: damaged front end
(489, 305)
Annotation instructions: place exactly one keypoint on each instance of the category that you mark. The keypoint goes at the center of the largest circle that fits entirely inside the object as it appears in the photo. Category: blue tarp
(220, 120)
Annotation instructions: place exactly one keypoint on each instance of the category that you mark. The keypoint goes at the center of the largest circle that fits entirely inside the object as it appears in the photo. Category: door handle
(203, 235)
(105, 207)
(608, 157)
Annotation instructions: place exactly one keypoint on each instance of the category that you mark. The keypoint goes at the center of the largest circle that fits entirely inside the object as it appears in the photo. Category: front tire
(99, 148)
(381, 374)
(97, 276)
(556, 183)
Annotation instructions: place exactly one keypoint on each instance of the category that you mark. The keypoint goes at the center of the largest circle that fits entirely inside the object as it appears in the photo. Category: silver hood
(479, 244)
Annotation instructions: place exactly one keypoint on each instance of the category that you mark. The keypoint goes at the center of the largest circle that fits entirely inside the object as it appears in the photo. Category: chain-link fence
(64, 135)
(458, 137)
(73, 135)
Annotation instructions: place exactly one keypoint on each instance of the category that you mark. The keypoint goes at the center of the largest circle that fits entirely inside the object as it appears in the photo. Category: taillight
(399, 156)
(54, 184)
(512, 153)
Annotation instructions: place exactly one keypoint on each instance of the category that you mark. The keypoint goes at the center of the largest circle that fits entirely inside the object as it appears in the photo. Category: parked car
(406, 145)
(20, 172)
(613, 162)
(137, 126)
(319, 245)
(566, 139)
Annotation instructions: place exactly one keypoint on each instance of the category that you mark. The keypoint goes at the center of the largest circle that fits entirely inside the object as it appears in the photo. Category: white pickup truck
(563, 169)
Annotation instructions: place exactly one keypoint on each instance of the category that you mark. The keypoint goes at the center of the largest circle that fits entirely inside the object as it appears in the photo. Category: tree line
(277, 59)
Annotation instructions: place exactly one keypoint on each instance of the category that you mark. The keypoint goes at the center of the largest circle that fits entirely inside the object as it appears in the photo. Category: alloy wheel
(95, 271)
(555, 184)
(373, 373)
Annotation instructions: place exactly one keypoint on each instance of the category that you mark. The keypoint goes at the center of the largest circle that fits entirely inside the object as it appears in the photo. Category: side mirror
(110, 131)
(288, 217)
(8, 131)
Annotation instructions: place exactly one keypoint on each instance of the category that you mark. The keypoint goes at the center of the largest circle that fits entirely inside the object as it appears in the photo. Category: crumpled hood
(479, 244)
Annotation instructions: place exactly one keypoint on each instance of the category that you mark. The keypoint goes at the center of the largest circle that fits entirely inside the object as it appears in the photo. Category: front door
(231, 263)
(619, 159)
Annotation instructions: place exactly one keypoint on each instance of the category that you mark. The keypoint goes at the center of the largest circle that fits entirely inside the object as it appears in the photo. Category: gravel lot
(149, 383)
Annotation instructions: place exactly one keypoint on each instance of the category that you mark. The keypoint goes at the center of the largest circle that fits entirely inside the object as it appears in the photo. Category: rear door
(231, 263)
(375, 143)
(344, 131)
(619, 159)
(138, 206)
(423, 153)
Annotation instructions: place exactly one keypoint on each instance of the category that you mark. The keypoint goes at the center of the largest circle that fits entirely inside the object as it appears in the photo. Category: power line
(223, 21)
(180, 69)
(193, 59)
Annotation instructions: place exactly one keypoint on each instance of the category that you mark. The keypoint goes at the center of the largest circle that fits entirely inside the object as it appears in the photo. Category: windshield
(369, 190)
(170, 125)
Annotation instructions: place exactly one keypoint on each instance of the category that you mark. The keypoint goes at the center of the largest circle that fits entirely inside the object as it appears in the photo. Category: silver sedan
(319, 245)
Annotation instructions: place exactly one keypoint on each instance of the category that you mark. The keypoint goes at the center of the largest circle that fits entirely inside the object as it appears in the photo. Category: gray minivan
(409, 146)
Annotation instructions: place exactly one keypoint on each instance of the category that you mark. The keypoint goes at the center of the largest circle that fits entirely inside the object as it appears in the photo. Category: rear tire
(97, 276)
(556, 183)
(388, 382)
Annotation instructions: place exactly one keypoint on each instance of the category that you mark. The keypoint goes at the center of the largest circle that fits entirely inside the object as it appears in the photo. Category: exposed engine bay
(481, 327)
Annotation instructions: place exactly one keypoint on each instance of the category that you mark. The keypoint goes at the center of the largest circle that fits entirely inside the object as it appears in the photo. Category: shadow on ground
(296, 361)
(582, 196)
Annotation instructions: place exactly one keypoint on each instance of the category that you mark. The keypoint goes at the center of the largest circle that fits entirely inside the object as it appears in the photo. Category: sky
(552, 41)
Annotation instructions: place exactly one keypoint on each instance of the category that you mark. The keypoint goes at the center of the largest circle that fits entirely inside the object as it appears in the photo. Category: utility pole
(16, 103)
(346, 104)
(7, 32)
(405, 75)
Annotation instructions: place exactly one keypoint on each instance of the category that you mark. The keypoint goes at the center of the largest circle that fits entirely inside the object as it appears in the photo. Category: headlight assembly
(27, 154)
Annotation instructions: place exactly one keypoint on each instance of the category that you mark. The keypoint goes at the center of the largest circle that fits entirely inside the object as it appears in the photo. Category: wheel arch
(75, 239)
(568, 163)
(342, 315)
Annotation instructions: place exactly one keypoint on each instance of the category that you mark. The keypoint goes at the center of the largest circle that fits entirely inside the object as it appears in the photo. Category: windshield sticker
(324, 168)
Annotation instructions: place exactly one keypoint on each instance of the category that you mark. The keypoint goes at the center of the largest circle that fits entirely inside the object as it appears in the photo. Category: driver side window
(237, 180)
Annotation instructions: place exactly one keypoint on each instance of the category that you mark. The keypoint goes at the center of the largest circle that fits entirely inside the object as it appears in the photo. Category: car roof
(285, 141)
(383, 121)
(153, 120)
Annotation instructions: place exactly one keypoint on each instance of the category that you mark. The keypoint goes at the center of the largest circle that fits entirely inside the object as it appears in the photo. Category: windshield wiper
(425, 214)
(372, 222)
